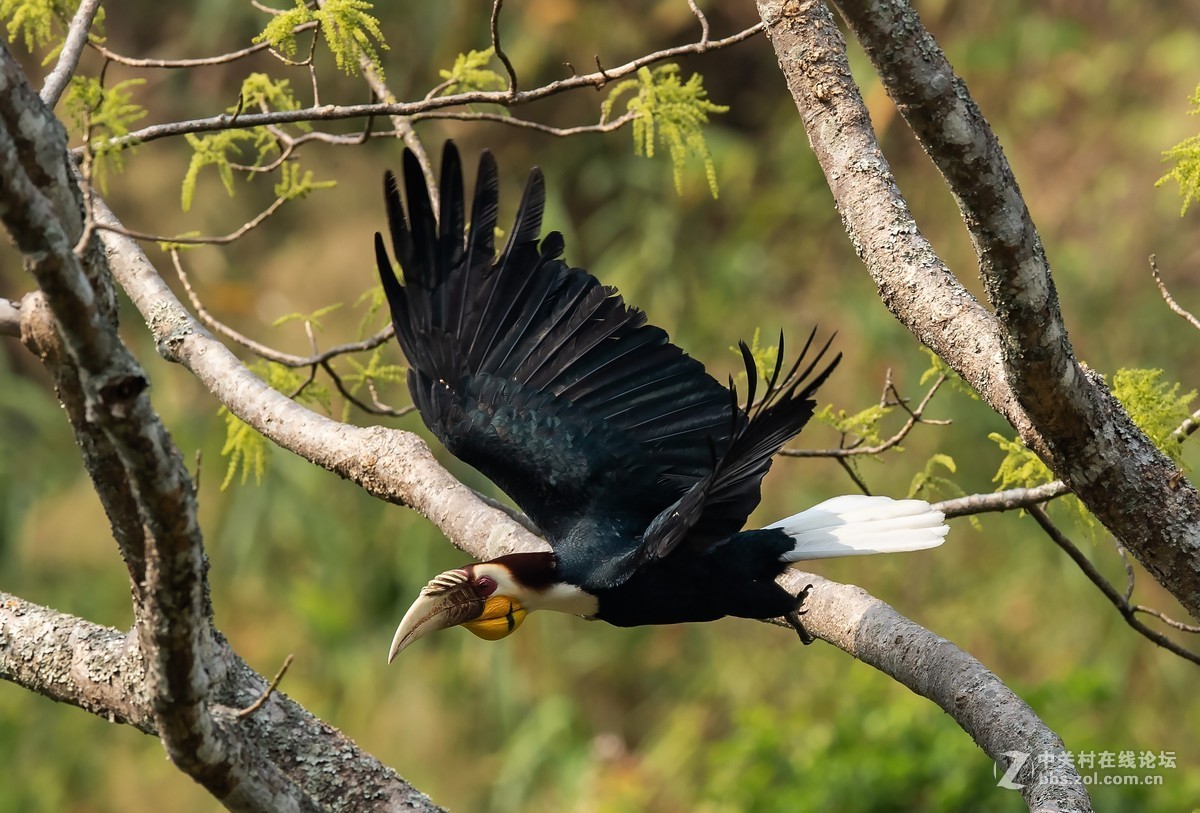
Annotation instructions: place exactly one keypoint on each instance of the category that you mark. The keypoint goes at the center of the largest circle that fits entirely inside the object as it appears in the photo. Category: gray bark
(1018, 358)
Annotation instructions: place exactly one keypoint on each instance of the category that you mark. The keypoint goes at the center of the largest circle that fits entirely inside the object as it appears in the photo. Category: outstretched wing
(543, 379)
(716, 506)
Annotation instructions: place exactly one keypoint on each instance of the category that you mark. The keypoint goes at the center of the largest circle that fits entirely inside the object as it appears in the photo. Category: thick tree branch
(101, 670)
(997, 719)
(1098, 452)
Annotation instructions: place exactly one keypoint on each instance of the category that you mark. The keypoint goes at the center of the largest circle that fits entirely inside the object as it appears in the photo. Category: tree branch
(596, 79)
(1110, 464)
(68, 57)
(997, 719)
(1002, 500)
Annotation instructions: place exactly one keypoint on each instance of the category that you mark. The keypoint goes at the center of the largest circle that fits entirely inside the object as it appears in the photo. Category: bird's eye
(485, 586)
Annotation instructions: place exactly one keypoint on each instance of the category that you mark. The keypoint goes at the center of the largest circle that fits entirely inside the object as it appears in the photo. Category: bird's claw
(793, 618)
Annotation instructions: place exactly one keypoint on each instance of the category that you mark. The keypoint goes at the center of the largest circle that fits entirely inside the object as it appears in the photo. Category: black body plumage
(638, 466)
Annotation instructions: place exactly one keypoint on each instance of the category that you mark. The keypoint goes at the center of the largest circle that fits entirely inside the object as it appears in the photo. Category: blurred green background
(569, 715)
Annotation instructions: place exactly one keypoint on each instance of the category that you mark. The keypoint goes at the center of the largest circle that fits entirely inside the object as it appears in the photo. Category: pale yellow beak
(446, 601)
(450, 600)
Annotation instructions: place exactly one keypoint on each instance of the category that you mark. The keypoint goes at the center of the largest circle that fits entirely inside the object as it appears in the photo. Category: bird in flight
(639, 468)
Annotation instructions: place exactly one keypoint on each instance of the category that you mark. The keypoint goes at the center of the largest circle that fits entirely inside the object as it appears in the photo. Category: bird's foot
(793, 618)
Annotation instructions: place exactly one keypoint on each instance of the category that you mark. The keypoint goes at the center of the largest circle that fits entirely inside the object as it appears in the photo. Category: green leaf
(671, 113)
(939, 367)
(929, 483)
(244, 447)
(281, 30)
(103, 114)
(222, 150)
(1186, 155)
(38, 22)
(313, 318)
(764, 356)
(1155, 406)
(349, 31)
(293, 185)
(1020, 468)
(863, 425)
(470, 72)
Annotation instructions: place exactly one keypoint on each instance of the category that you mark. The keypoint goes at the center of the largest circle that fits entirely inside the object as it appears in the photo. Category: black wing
(546, 382)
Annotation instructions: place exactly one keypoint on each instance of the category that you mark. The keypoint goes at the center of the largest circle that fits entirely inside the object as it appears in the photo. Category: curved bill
(439, 606)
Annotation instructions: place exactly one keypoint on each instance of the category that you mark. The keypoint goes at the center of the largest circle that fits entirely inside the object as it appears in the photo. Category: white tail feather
(856, 525)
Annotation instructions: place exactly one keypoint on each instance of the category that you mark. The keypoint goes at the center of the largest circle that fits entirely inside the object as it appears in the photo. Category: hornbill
(639, 467)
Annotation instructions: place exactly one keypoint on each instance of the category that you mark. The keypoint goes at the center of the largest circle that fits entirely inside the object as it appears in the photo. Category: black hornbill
(639, 467)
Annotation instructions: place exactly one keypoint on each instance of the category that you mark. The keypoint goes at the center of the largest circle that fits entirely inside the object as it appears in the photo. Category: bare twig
(703, 23)
(262, 350)
(374, 408)
(504, 98)
(68, 58)
(1128, 611)
(512, 121)
(262, 699)
(1170, 300)
(222, 240)
(503, 57)
(1009, 500)
(914, 418)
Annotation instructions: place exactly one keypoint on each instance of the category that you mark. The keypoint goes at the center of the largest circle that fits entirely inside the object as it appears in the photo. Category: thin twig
(703, 23)
(512, 121)
(223, 240)
(914, 418)
(258, 704)
(1166, 295)
(858, 481)
(183, 64)
(68, 59)
(374, 409)
(270, 353)
(503, 57)
(340, 112)
(1008, 500)
(1128, 612)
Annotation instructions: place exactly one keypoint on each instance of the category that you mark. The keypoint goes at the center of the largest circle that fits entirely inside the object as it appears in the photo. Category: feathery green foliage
(863, 425)
(38, 23)
(371, 374)
(470, 72)
(245, 448)
(938, 367)
(224, 149)
(1155, 406)
(764, 356)
(1020, 468)
(313, 319)
(375, 300)
(107, 112)
(670, 112)
(1186, 155)
(350, 31)
(292, 184)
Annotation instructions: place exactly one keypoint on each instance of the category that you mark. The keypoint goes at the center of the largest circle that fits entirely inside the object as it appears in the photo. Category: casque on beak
(456, 597)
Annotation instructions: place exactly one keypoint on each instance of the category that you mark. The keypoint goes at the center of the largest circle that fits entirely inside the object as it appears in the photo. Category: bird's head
(490, 599)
